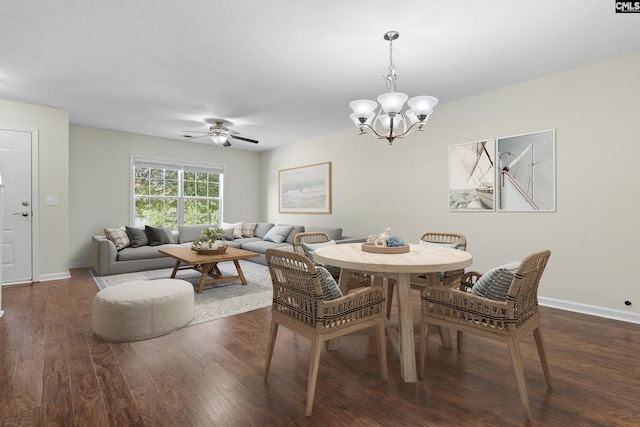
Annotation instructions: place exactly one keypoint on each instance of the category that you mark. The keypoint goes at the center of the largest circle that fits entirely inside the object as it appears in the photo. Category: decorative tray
(371, 247)
(220, 250)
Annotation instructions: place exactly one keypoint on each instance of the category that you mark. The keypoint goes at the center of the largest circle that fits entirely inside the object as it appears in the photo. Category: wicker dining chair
(448, 279)
(298, 305)
(507, 321)
(356, 280)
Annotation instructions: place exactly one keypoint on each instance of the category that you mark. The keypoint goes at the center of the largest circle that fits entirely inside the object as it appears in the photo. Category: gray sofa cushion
(296, 229)
(261, 246)
(245, 240)
(188, 233)
(278, 233)
(233, 243)
(335, 233)
(142, 252)
(262, 229)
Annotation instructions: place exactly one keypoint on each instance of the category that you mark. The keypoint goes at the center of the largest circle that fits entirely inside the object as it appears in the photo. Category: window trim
(137, 160)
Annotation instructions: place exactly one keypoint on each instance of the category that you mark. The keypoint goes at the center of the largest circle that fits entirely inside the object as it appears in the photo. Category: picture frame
(305, 189)
(526, 172)
(472, 176)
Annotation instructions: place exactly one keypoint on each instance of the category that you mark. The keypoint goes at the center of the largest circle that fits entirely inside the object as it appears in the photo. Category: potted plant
(210, 239)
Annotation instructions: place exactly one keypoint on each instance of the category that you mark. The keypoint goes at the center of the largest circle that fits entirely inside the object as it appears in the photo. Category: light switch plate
(52, 201)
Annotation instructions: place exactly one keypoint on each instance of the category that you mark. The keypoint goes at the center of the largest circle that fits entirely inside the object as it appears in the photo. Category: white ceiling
(284, 70)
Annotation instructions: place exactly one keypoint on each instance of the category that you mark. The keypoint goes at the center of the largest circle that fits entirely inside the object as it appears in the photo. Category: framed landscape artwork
(472, 176)
(305, 189)
(526, 173)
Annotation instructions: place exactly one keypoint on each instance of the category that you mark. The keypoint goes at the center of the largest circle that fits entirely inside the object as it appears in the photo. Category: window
(168, 193)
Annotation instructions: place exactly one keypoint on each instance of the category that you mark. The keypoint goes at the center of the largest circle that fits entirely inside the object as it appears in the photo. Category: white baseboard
(54, 276)
(80, 264)
(590, 309)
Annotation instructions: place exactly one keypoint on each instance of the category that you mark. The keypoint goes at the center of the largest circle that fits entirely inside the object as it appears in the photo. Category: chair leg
(537, 334)
(314, 361)
(382, 349)
(460, 340)
(273, 332)
(424, 336)
(445, 337)
(390, 286)
(518, 369)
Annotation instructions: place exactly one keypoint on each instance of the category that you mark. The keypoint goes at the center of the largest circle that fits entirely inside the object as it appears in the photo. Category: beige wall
(53, 180)
(594, 111)
(100, 180)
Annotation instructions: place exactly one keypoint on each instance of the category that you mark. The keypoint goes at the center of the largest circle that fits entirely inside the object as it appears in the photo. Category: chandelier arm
(364, 128)
(414, 127)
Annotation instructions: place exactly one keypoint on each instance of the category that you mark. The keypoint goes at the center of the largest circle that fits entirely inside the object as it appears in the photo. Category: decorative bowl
(371, 247)
(218, 251)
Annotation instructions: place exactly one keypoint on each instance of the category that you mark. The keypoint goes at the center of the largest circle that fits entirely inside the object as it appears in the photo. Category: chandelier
(390, 115)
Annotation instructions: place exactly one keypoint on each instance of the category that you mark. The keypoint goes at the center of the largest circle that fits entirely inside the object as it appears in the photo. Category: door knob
(25, 213)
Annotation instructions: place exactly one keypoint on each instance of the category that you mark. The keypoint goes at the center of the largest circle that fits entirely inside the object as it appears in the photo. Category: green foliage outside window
(159, 200)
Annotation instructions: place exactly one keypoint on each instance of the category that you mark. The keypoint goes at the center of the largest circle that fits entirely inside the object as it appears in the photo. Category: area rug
(217, 300)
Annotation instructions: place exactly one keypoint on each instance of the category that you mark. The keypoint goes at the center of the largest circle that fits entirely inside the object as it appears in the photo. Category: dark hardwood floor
(54, 372)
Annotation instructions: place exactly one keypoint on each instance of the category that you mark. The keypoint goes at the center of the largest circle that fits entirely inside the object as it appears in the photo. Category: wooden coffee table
(208, 264)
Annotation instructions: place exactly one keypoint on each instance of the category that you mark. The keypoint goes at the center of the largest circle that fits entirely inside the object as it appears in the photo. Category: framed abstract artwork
(526, 178)
(305, 189)
(472, 176)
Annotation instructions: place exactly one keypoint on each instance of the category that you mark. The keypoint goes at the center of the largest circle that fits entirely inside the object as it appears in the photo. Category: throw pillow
(137, 236)
(244, 229)
(309, 250)
(330, 289)
(278, 233)
(237, 230)
(118, 236)
(495, 283)
(156, 235)
(228, 233)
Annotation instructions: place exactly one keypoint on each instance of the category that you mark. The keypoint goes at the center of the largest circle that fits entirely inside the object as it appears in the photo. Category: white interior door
(17, 232)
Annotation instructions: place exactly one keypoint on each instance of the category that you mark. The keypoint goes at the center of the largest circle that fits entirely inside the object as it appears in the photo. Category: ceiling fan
(219, 133)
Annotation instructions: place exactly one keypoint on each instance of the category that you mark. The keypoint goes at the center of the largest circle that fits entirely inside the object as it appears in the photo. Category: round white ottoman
(142, 309)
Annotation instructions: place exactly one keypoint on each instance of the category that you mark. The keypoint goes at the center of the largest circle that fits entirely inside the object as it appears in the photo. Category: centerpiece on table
(385, 243)
(210, 242)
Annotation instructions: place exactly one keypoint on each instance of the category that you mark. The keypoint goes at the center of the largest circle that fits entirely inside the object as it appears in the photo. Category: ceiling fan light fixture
(219, 139)
(391, 105)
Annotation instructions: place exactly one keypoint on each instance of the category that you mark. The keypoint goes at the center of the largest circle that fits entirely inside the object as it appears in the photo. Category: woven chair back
(451, 238)
(308, 237)
(297, 293)
(522, 298)
(453, 278)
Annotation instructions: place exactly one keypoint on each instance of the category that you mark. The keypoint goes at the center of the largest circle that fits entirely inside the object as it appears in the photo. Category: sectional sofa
(254, 237)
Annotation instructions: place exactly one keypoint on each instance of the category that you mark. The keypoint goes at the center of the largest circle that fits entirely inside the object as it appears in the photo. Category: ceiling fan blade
(195, 137)
(244, 139)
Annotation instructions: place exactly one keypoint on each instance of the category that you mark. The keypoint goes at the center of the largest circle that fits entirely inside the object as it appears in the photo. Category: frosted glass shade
(392, 102)
(363, 107)
(414, 119)
(219, 139)
(385, 121)
(357, 122)
(422, 105)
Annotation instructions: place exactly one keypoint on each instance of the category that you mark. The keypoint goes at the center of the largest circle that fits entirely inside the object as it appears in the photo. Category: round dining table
(421, 259)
